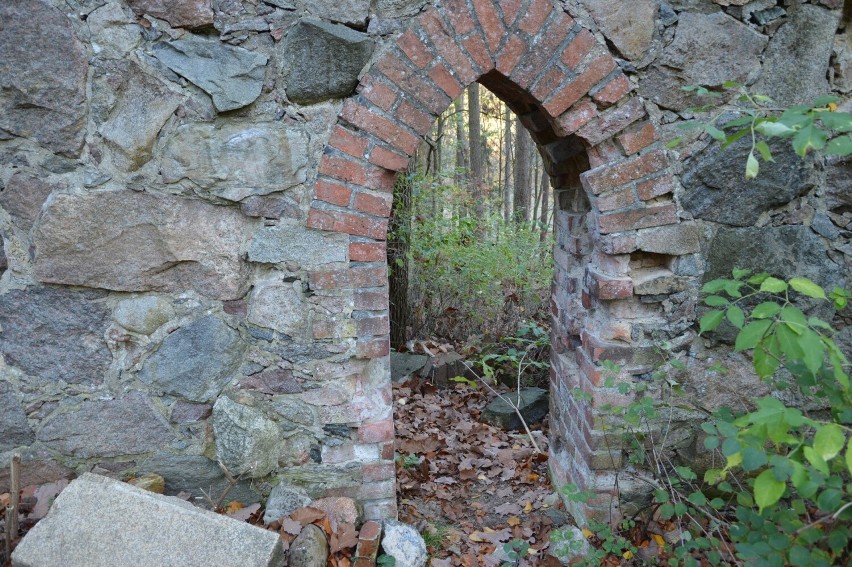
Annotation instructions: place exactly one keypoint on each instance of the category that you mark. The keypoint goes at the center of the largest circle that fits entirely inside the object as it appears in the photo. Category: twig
(9, 513)
(15, 487)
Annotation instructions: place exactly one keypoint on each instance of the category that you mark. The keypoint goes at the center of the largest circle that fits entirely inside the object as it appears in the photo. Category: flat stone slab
(534, 406)
(100, 522)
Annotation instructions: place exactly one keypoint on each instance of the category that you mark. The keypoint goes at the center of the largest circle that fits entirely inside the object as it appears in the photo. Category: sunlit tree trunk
(523, 185)
(507, 165)
(474, 136)
(399, 231)
(545, 202)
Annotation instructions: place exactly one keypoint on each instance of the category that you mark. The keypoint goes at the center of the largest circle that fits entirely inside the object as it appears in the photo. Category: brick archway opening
(618, 235)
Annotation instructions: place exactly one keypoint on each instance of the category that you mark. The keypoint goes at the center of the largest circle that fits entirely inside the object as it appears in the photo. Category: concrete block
(100, 522)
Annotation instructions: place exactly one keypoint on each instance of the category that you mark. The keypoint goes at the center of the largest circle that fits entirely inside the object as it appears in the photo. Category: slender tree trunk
(398, 243)
(474, 136)
(537, 191)
(545, 202)
(507, 164)
(461, 144)
(523, 189)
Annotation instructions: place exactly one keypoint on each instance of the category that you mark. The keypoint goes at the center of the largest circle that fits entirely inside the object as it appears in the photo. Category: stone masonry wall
(194, 200)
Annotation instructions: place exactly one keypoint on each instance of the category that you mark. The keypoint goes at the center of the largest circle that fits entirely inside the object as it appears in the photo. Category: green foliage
(817, 126)
(515, 550)
(386, 560)
(524, 355)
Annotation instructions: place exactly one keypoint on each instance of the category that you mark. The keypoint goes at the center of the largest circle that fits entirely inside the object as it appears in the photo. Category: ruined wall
(194, 204)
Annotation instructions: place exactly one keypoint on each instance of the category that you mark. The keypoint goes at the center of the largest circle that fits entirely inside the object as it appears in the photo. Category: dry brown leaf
(307, 515)
(244, 513)
(290, 526)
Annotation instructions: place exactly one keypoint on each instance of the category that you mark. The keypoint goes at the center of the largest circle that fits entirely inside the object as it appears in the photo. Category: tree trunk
(523, 185)
(461, 172)
(507, 165)
(474, 133)
(399, 231)
(545, 202)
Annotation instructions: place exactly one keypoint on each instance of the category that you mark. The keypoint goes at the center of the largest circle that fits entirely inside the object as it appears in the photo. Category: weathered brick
(371, 300)
(378, 93)
(333, 193)
(614, 90)
(491, 23)
(378, 204)
(334, 455)
(392, 67)
(376, 432)
(637, 137)
(374, 348)
(348, 142)
(387, 451)
(576, 117)
(612, 121)
(510, 10)
(656, 187)
(547, 83)
(577, 50)
(614, 243)
(445, 81)
(384, 129)
(367, 251)
(478, 51)
(415, 49)
(447, 45)
(343, 169)
(377, 490)
(379, 509)
(610, 176)
(388, 159)
(372, 325)
(368, 545)
(607, 287)
(617, 199)
(372, 472)
(458, 16)
(511, 55)
(604, 153)
(353, 277)
(589, 370)
(639, 218)
(379, 178)
(576, 89)
(419, 121)
(557, 31)
(534, 16)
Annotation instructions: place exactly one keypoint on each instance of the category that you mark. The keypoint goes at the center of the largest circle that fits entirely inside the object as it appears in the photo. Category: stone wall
(195, 197)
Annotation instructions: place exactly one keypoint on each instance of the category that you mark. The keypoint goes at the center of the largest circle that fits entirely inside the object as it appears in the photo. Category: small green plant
(386, 561)
(515, 550)
(408, 461)
(435, 535)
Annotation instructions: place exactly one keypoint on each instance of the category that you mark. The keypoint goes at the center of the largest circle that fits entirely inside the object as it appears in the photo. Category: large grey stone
(280, 306)
(838, 185)
(235, 161)
(403, 543)
(107, 428)
(144, 314)
(292, 242)
(533, 407)
(397, 8)
(179, 13)
(197, 475)
(629, 25)
(55, 334)
(114, 30)
(309, 549)
(233, 76)
(100, 522)
(715, 188)
(693, 58)
(795, 63)
(14, 429)
(673, 239)
(283, 501)
(23, 197)
(247, 442)
(144, 106)
(43, 69)
(133, 241)
(404, 364)
(349, 12)
(196, 361)
(323, 60)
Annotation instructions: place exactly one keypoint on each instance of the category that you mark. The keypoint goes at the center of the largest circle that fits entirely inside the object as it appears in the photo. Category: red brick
(368, 545)
(445, 81)
(384, 129)
(511, 55)
(348, 278)
(637, 137)
(604, 153)
(587, 367)
(447, 45)
(574, 91)
(541, 51)
(379, 178)
(374, 348)
(419, 121)
(338, 454)
(348, 223)
(615, 200)
(378, 93)
(578, 49)
(546, 84)
(411, 82)
(611, 176)
(491, 23)
(510, 10)
(333, 193)
(614, 90)
(372, 472)
(459, 16)
(379, 325)
(367, 251)
(374, 204)
(478, 51)
(640, 218)
(370, 300)
(381, 509)
(376, 432)
(612, 121)
(387, 451)
(342, 169)
(347, 142)
(534, 16)
(415, 49)
(613, 244)
(376, 490)
(606, 287)
(577, 117)
(388, 159)
(656, 187)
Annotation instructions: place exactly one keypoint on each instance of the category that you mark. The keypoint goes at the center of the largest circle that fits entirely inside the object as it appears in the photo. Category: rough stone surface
(144, 314)
(397, 8)
(194, 474)
(279, 306)
(404, 544)
(141, 528)
(129, 241)
(196, 361)
(272, 381)
(324, 60)
(23, 197)
(797, 56)
(236, 161)
(35, 472)
(290, 242)
(715, 188)
(309, 549)
(838, 183)
(116, 30)
(675, 240)
(55, 334)
(43, 68)
(339, 509)
(283, 501)
(247, 442)
(404, 364)
(107, 428)
(629, 25)
(348, 12)
(14, 429)
(144, 106)
(693, 58)
(179, 13)
(533, 406)
(232, 76)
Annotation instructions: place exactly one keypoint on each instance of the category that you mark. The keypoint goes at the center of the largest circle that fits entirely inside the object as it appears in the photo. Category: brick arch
(618, 234)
